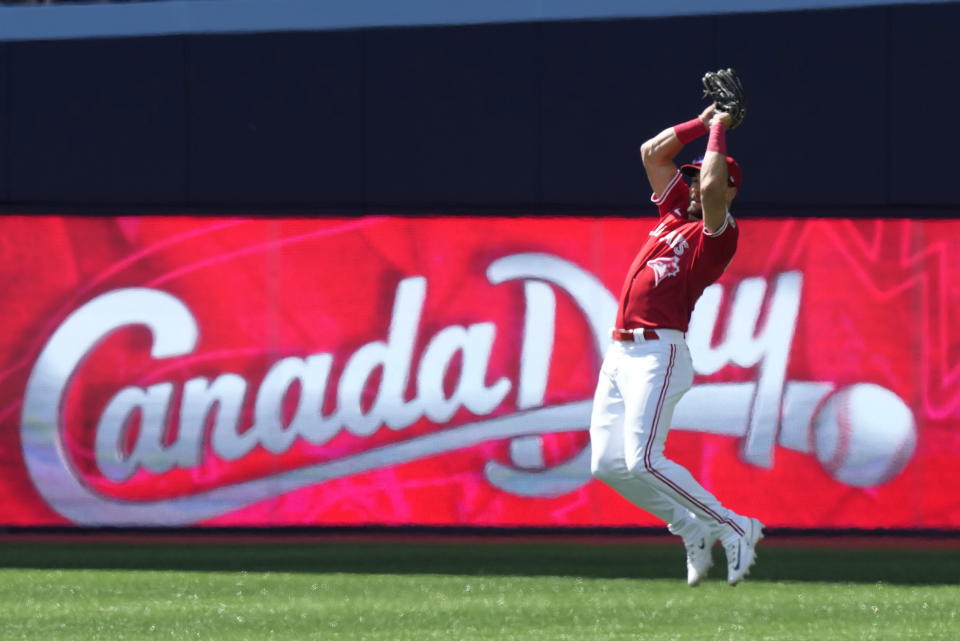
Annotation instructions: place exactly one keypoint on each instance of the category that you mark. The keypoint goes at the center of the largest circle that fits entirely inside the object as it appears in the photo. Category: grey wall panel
(276, 119)
(122, 19)
(607, 87)
(453, 115)
(817, 87)
(96, 121)
(923, 99)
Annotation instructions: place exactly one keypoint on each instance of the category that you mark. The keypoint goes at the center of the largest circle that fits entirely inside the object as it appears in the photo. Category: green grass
(516, 591)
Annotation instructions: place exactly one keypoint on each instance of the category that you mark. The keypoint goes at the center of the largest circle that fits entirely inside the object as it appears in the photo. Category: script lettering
(394, 357)
(745, 344)
(174, 334)
(599, 307)
(151, 405)
(200, 396)
(475, 344)
(455, 358)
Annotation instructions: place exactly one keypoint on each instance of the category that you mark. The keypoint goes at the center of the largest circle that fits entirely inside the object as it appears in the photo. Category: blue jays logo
(664, 268)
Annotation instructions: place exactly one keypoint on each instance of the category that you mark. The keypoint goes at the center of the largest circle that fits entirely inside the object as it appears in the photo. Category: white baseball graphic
(863, 435)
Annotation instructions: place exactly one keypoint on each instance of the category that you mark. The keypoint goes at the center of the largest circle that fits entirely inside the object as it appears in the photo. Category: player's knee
(641, 468)
(608, 470)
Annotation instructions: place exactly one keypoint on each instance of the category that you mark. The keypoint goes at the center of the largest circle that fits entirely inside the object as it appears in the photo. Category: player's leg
(655, 379)
(738, 534)
(608, 463)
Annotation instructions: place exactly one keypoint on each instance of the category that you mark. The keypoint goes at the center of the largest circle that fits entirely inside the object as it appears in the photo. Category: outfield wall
(223, 370)
(178, 371)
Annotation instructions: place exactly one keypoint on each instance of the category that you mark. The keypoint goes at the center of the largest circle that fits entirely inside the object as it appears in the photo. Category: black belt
(631, 335)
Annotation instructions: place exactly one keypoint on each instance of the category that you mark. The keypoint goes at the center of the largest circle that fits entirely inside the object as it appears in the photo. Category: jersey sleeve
(674, 199)
(720, 246)
(728, 228)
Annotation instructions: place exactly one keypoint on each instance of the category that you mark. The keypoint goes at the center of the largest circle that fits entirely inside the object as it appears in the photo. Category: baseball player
(647, 369)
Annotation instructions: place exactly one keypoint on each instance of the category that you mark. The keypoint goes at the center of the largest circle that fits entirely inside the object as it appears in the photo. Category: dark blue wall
(96, 121)
(848, 109)
(4, 126)
(276, 119)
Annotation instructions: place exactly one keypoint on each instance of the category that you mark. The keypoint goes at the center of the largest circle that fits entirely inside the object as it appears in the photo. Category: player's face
(694, 209)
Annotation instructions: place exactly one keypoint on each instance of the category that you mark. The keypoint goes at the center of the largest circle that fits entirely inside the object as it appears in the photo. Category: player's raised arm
(715, 190)
(658, 152)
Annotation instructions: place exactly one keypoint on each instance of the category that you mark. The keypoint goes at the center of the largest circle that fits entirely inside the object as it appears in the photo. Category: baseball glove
(723, 87)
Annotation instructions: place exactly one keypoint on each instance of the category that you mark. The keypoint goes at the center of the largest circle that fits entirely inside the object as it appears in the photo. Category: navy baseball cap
(733, 170)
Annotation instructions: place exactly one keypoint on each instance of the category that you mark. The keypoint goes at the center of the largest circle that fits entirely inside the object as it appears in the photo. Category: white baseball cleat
(741, 551)
(699, 557)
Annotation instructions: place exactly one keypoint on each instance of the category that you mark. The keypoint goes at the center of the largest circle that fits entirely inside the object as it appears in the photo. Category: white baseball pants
(640, 384)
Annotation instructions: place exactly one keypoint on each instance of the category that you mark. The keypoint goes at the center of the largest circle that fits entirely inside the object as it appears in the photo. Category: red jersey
(678, 261)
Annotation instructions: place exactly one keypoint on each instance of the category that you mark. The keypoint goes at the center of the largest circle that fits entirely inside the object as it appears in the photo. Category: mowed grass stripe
(522, 591)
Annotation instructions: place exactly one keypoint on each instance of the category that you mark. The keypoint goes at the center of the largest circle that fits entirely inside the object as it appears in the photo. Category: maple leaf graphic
(892, 258)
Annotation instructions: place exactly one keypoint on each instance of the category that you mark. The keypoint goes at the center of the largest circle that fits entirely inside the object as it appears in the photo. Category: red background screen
(439, 371)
